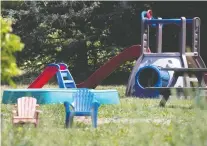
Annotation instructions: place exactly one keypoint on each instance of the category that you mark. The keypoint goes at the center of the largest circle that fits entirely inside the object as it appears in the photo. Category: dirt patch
(87, 120)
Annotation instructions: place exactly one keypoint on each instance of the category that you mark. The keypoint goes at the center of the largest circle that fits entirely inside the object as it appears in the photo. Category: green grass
(135, 122)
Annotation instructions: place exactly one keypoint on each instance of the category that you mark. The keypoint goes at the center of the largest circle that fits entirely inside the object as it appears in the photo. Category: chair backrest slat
(26, 106)
(83, 99)
(19, 106)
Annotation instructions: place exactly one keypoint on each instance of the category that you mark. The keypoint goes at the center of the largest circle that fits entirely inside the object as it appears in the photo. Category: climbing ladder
(64, 78)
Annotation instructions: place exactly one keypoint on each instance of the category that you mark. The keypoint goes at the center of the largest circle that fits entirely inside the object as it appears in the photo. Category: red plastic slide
(44, 77)
(104, 71)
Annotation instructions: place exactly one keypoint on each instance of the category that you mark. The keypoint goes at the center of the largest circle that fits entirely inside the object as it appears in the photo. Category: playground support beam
(183, 36)
(166, 21)
(196, 35)
(159, 37)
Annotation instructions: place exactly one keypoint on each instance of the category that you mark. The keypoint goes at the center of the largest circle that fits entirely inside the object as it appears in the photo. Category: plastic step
(68, 81)
(64, 74)
(64, 70)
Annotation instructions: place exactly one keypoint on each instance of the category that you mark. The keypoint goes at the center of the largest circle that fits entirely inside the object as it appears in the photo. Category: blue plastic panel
(57, 96)
(162, 81)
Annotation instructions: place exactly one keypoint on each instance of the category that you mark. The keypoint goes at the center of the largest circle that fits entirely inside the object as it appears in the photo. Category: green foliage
(86, 34)
(74, 32)
(10, 43)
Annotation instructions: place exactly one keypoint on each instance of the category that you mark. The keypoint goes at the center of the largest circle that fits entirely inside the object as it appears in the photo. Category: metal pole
(183, 36)
(196, 35)
(144, 37)
(147, 39)
(159, 37)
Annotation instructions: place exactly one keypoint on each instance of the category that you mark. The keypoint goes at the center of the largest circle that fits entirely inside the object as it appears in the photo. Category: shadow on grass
(179, 106)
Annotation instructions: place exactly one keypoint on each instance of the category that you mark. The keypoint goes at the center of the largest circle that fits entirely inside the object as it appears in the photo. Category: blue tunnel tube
(150, 76)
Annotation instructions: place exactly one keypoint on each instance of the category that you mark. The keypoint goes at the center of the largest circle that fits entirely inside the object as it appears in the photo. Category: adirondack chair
(84, 104)
(25, 111)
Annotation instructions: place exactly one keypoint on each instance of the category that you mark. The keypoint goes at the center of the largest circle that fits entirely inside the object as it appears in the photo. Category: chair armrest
(68, 106)
(95, 105)
(14, 112)
(38, 111)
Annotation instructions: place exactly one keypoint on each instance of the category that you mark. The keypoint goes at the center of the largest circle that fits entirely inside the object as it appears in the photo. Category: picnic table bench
(166, 91)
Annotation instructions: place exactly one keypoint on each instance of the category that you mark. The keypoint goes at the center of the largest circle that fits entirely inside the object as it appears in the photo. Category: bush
(10, 43)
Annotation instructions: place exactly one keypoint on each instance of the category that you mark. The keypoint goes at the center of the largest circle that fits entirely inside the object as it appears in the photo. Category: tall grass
(132, 122)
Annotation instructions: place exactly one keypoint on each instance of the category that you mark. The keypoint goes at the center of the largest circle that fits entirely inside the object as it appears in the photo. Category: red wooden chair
(25, 111)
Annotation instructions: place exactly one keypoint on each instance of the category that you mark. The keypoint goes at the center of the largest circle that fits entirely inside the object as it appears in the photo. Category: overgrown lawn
(133, 122)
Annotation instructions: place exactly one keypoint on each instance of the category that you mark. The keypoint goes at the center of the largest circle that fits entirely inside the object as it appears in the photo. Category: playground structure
(67, 88)
(65, 79)
(154, 74)
(158, 73)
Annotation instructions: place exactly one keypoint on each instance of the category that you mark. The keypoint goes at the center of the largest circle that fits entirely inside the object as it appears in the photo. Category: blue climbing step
(64, 77)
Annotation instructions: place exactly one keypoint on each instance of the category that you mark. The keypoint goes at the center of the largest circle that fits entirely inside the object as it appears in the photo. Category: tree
(85, 34)
(10, 43)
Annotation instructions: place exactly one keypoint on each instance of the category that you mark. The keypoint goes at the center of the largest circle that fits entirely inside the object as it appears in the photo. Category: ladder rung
(64, 70)
(68, 81)
(64, 74)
